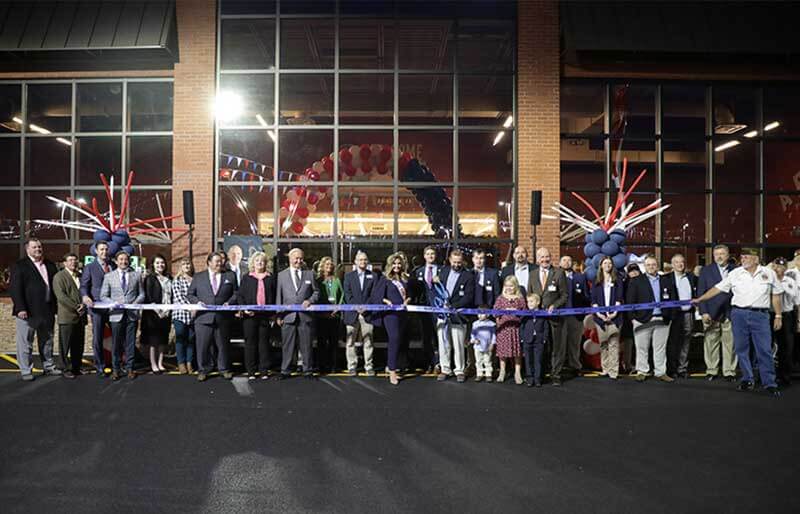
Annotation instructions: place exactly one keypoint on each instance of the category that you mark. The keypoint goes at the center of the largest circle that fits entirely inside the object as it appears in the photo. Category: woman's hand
(387, 302)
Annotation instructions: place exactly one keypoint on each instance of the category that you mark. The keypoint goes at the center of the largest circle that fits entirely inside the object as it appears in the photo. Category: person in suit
(459, 285)
(550, 283)
(520, 268)
(358, 286)
(215, 286)
(297, 286)
(71, 316)
(34, 308)
(607, 291)
(682, 285)
(331, 292)
(91, 283)
(423, 295)
(650, 326)
(257, 288)
(235, 263)
(532, 334)
(716, 315)
(577, 297)
(392, 289)
(123, 285)
(156, 324)
(487, 280)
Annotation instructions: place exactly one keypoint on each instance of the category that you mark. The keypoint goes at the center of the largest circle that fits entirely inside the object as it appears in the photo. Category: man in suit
(34, 308)
(452, 330)
(235, 263)
(550, 283)
(91, 283)
(215, 286)
(520, 268)
(487, 280)
(577, 297)
(682, 285)
(71, 316)
(357, 290)
(122, 285)
(297, 286)
(716, 314)
(424, 276)
(650, 326)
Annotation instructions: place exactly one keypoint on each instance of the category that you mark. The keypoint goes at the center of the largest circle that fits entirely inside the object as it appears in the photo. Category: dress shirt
(452, 278)
(655, 284)
(684, 289)
(607, 286)
(212, 277)
(522, 274)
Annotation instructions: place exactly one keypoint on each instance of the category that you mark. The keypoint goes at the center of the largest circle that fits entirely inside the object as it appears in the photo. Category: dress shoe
(478, 378)
(774, 392)
(202, 377)
(460, 378)
(352, 373)
(28, 377)
(116, 375)
(488, 379)
(556, 381)
(182, 368)
(282, 376)
(641, 377)
(683, 374)
(68, 374)
(730, 378)
(614, 377)
(711, 378)
(441, 378)
(265, 376)
(745, 385)
(529, 382)
(666, 378)
(371, 373)
(131, 375)
(227, 375)
(251, 377)
(537, 383)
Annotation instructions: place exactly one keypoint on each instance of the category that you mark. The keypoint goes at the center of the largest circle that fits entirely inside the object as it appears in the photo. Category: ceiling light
(498, 137)
(16, 120)
(228, 106)
(271, 134)
(725, 146)
(508, 121)
(752, 133)
(37, 128)
(64, 141)
(261, 120)
(774, 124)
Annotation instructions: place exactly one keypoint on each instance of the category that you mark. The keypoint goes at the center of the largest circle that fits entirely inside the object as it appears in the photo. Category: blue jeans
(123, 334)
(184, 342)
(753, 325)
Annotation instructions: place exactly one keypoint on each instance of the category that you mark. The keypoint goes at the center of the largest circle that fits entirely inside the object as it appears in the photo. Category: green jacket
(68, 296)
(331, 292)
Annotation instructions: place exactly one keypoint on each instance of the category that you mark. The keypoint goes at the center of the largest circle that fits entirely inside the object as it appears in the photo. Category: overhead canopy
(72, 34)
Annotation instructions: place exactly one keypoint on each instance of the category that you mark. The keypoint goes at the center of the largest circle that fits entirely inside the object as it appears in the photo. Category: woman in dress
(392, 289)
(156, 324)
(330, 288)
(607, 291)
(182, 320)
(257, 288)
(508, 343)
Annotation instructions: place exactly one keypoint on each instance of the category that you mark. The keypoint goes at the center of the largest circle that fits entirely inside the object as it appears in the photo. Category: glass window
(308, 7)
(246, 155)
(684, 166)
(96, 155)
(366, 99)
(9, 215)
(782, 106)
(306, 99)
(9, 161)
(695, 255)
(484, 158)
(582, 108)
(312, 253)
(10, 108)
(734, 218)
(151, 158)
(38, 207)
(641, 155)
(684, 110)
(644, 232)
(246, 210)
(307, 43)
(144, 205)
(9, 254)
(300, 149)
(781, 170)
(735, 167)
(425, 212)
(426, 99)
(782, 216)
(247, 44)
(355, 169)
(734, 110)
(366, 212)
(47, 161)
(582, 164)
(299, 217)
(49, 107)
(633, 110)
(247, 7)
(485, 100)
(433, 150)
(148, 251)
(376, 252)
(596, 199)
(426, 44)
(485, 45)
(685, 220)
(252, 98)
(485, 212)
(366, 43)
(99, 107)
(150, 106)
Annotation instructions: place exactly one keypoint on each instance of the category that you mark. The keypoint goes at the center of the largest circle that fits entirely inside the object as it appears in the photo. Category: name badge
(665, 296)
(551, 287)
(461, 293)
(488, 288)
(227, 281)
(308, 282)
(332, 299)
(367, 276)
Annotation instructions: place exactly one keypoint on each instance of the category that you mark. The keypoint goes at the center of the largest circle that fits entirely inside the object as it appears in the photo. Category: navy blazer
(92, 279)
(719, 307)
(577, 291)
(599, 299)
(639, 291)
(463, 295)
(200, 290)
(422, 294)
(533, 330)
(488, 293)
(385, 289)
(354, 295)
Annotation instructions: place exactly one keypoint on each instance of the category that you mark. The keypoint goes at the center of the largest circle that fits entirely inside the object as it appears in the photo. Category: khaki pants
(360, 331)
(718, 334)
(653, 334)
(609, 349)
(483, 362)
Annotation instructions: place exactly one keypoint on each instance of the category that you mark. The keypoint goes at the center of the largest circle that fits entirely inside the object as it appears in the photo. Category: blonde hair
(389, 265)
(321, 266)
(534, 295)
(511, 279)
(601, 275)
(180, 273)
(251, 262)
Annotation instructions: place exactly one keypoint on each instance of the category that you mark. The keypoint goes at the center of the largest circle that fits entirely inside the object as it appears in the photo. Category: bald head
(543, 257)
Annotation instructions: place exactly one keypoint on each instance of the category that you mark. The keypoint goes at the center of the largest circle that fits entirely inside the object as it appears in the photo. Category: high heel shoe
(501, 377)
(393, 378)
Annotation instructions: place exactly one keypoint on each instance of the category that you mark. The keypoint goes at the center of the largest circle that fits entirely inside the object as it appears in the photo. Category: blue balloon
(113, 248)
(620, 260)
(587, 262)
(120, 237)
(599, 236)
(129, 249)
(588, 238)
(591, 273)
(597, 259)
(590, 250)
(610, 248)
(93, 251)
(618, 236)
(101, 235)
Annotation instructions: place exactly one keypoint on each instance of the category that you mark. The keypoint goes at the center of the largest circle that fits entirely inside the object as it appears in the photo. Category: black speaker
(188, 207)
(536, 207)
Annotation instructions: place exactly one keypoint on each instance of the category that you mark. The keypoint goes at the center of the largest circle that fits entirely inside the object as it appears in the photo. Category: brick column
(538, 128)
(193, 140)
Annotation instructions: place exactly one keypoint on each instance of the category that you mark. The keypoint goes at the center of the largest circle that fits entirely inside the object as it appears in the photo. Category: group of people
(743, 311)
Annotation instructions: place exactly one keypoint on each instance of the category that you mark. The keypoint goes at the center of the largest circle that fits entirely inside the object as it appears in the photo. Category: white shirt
(607, 291)
(521, 272)
(791, 293)
(684, 288)
(751, 291)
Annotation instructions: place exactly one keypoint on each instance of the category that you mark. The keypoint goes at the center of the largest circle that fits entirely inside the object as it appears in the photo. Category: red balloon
(407, 156)
(322, 189)
(366, 167)
(345, 155)
(302, 212)
(386, 153)
(382, 168)
(309, 171)
(313, 175)
(365, 152)
(312, 198)
(300, 191)
(327, 163)
(286, 204)
(297, 227)
(349, 171)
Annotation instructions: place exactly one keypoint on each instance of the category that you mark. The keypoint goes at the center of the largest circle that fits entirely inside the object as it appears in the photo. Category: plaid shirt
(180, 287)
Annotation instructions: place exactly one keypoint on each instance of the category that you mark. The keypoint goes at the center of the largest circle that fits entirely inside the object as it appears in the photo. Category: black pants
(208, 337)
(429, 341)
(70, 342)
(785, 341)
(256, 344)
(327, 343)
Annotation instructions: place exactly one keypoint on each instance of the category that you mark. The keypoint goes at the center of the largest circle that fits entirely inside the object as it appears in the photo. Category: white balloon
(318, 167)
(590, 347)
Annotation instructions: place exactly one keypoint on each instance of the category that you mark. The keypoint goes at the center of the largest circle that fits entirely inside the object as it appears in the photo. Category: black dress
(155, 329)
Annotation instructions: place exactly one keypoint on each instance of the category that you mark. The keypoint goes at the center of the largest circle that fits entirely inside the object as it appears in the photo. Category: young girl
(508, 345)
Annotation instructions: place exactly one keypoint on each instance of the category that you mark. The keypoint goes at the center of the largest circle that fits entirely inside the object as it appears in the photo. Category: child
(532, 333)
(483, 340)
(508, 346)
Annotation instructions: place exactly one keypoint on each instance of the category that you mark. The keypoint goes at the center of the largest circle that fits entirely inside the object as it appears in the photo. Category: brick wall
(193, 140)
(538, 116)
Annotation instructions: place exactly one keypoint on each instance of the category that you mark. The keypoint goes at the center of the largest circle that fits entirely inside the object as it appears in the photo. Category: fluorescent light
(508, 121)
(37, 128)
(261, 120)
(774, 124)
(752, 133)
(16, 120)
(501, 204)
(64, 141)
(498, 137)
(725, 146)
(271, 134)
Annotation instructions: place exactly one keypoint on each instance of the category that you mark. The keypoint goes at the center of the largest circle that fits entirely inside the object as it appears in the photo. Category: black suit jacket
(639, 291)
(463, 295)
(200, 290)
(30, 293)
(248, 293)
(488, 293)
(354, 295)
(668, 281)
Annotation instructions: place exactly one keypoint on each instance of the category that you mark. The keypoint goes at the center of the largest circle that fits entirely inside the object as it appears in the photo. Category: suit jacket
(30, 293)
(153, 294)
(719, 307)
(491, 288)
(112, 292)
(92, 279)
(599, 299)
(554, 293)
(354, 295)
(639, 291)
(288, 295)
(509, 271)
(385, 289)
(68, 296)
(200, 291)
(243, 271)
(248, 292)
(578, 292)
(533, 330)
(421, 294)
(463, 295)
(668, 281)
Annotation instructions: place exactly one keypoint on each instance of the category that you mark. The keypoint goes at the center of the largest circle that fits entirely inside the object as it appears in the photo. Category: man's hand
(706, 320)
(81, 308)
(22, 315)
(777, 324)
(696, 301)
(306, 303)
(551, 308)
(249, 313)
(387, 302)
(88, 301)
(279, 321)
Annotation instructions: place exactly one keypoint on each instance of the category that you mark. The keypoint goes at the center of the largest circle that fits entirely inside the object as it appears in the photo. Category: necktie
(214, 283)
(124, 281)
(105, 267)
(361, 281)
(297, 280)
(544, 277)
(429, 276)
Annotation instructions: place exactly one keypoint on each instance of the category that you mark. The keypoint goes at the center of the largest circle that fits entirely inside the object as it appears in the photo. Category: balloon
(291, 195)
(311, 208)
(312, 198)
(283, 212)
(345, 155)
(120, 237)
(314, 175)
(285, 204)
(317, 166)
(618, 236)
(302, 212)
(322, 190)
(385, 153)
(382, 169)
(300, 191)
(101, 235)
(620, 260)
(113, 248)
(297, 227)
(308, 171)
(366, 167)
(590, 250)
(599, 236)
(590, 347)
(93, 250)
(610, 248)
(597, 259)
(129, 249)
(588, 322)
(588, 238)
(587, 262)
(591, 273)
(327, 164)
(349, 171)
(365, 152)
